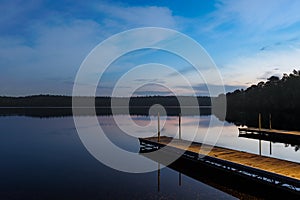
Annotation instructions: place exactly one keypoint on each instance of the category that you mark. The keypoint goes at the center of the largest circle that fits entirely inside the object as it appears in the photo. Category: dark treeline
(279, 120)
(273, 95)
(66, 101)
(65, 112)
(278, 97)
(59, 106)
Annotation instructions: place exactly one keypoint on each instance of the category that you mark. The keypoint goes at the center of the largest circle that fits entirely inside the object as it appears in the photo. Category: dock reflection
(288, 140)
(234, 185)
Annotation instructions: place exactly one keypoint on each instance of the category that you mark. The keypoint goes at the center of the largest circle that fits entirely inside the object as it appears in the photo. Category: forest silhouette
(273, 95)
(276, 98)
(279, 97)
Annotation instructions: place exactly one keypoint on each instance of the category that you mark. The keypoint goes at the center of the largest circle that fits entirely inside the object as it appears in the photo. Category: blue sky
(43, 43)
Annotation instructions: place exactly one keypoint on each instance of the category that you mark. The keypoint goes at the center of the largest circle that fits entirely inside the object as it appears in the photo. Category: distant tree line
(58, 106)
(274, 95)
(278, 98)
(66, 101)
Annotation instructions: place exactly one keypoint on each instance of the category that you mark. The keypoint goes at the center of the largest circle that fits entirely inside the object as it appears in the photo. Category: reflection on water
(228, 138)
(279, 120)
(45, 159)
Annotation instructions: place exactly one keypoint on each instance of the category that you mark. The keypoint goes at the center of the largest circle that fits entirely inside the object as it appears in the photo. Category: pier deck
(278, 166)
(229, 170)
(278, 173)
(269, 131)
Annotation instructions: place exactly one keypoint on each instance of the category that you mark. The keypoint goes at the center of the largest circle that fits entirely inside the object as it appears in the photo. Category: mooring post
(158, 177)
(158, 127)
(260, 147)
(179, 181)
(270, 120)
(259, 121)
(179, 126)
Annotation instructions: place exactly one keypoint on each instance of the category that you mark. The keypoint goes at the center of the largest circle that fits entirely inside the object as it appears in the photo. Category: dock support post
(260, 147)
(179, 178)
(259, 121)
(270, 148)
(179, 126)
(270, 121)
(158, 128)
(158, 177)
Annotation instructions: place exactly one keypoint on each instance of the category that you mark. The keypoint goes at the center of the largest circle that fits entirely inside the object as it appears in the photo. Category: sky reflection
(228, 137)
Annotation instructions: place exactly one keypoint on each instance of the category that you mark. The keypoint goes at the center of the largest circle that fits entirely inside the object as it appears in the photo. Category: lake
(43, 158)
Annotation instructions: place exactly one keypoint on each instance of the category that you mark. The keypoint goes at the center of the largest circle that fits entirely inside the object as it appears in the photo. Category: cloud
(243, 27)
(281, 44)
(268, 74)
(38, 42)
(257, 15)
(183, 71)
(57, 52)
(245, 70)
(153, 80)
(152, 93)
(137, 16)
(41, 42)
(152, 89)
(202, 89)
(17, 14)
(257, 36)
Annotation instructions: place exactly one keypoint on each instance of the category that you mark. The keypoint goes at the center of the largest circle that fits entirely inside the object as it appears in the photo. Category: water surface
(43, 158)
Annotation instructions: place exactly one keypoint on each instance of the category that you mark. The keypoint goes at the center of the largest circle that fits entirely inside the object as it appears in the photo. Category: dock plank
(278, 166)
(270, 131)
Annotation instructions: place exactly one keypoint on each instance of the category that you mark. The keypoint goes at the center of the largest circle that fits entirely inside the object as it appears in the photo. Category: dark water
(45, 159)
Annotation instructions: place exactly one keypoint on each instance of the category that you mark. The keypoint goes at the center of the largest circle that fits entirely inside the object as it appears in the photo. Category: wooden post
(158, 177)
(179, 126)
(179, 178)
(270, 120)
(260, 147)
(259, 127)
(270, 148)
(158, 127)
(259, 121)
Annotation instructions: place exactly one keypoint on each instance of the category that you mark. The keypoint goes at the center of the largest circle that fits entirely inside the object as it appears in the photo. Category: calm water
(43, 158)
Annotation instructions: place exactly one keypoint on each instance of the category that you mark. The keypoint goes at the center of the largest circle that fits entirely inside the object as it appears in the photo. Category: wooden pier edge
(269, 131)
(246, 173)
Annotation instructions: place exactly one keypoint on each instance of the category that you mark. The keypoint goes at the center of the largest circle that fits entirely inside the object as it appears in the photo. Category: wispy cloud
(256, 36)
(136, 16)
(153, 80)
(152, 93)
(268, 74)
(257, 15)
(183, 71)
(262, 65)
(202, 89)
(292, 42)
(153, 89)
(42, 40)
(52, 42)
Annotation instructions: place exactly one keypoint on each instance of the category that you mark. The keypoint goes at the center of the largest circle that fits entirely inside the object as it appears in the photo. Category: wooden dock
(282, 167)
(270, 131)
(264, 169)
